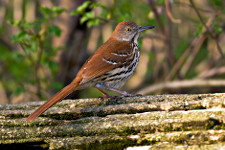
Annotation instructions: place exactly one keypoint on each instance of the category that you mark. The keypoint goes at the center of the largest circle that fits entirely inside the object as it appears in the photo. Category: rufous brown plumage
(108, 68)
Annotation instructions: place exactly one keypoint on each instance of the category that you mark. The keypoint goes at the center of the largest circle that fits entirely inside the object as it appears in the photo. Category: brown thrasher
(108, 68)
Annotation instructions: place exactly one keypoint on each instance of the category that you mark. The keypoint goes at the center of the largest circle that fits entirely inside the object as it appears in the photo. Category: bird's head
(128, 30)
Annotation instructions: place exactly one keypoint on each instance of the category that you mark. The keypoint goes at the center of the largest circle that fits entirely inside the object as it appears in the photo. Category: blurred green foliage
(27, 67)
(118, 11)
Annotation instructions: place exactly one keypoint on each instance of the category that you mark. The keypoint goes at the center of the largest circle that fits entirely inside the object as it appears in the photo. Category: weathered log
(161, 121)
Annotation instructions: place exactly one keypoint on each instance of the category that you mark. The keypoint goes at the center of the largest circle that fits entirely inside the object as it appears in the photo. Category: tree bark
(160, 121)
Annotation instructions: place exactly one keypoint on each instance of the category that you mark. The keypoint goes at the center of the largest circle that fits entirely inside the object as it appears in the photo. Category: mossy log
(151, 122)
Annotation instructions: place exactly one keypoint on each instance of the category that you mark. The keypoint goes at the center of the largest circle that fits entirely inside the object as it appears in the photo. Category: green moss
(94, 142)
(212, 123)
(110, 124)
(128, 131)
(16, 116)
(22, 141)
(223, 105)
(28, 145)
(108, 145)
(199, 107)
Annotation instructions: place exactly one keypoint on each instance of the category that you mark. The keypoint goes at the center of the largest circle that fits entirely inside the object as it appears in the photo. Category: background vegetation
(44, 43)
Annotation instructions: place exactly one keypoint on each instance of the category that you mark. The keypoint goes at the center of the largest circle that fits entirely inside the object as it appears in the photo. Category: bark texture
(151, 122)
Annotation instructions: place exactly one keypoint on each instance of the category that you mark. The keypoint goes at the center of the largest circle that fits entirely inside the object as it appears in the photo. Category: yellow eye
(128, 29)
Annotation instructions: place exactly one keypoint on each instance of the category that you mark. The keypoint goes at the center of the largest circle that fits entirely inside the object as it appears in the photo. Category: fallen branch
(190, 120)
(182, 84)
(207, 28)
(212, 72)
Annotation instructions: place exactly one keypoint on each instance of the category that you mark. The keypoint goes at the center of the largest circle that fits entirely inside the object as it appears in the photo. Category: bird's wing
(106, 58)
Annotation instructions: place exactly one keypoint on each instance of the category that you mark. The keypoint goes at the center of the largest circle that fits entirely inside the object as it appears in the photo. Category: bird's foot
(131, 95)
(119, 97)
(110, 97)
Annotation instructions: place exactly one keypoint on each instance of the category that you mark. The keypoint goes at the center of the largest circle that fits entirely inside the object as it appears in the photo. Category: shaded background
(44, 43)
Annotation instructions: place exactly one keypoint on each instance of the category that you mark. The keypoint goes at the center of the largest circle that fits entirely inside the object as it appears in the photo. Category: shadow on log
(151, 122)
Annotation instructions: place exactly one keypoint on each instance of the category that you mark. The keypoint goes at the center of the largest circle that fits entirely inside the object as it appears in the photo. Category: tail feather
(56, 98)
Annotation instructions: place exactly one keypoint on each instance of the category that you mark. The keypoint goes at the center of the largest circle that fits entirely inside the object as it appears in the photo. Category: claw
(124, 94)
(105, 96)
(138, 95)
(131, 95)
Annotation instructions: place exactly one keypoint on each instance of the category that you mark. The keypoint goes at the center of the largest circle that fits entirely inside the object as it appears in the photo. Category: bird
(107, 69)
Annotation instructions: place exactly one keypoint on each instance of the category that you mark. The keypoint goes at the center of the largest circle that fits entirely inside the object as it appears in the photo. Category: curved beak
(142, 28)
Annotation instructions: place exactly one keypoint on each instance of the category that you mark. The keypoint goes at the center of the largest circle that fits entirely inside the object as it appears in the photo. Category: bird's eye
(128, 29)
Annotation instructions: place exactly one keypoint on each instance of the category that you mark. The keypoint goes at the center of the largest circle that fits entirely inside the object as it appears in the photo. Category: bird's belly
(117, 77)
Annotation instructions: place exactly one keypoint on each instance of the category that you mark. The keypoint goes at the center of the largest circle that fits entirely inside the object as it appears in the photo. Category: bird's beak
(142, 28)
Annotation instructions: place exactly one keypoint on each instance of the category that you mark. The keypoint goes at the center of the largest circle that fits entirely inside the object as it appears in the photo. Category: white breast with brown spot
(117, 77)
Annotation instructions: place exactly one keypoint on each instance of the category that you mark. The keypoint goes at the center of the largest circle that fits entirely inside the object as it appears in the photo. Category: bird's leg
(124, 93)
(105, 95)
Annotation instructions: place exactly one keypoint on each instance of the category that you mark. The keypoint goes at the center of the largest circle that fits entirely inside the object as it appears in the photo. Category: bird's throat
(135, 38)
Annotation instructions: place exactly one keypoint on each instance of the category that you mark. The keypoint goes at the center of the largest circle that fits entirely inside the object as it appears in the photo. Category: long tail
(56, 98)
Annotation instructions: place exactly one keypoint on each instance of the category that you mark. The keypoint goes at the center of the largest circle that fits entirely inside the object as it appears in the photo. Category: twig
(196, 49)
(41, 37)
(36, 65)
(184, 4)
(157, 17)
(160, 26)
(182, 59)
(28, 54)
(207, 28)
(169, 55)
(182, 84)
(193, 46)
(169, 14)
(4, 41)
(192, 56)
(212, 72)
